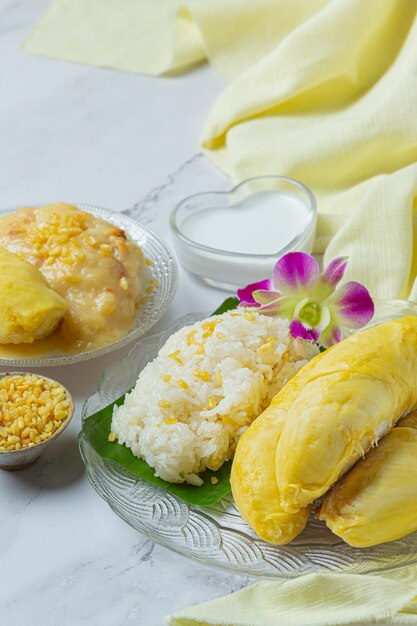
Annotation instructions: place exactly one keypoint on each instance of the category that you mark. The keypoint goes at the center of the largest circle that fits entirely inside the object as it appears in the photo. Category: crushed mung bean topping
(31, 410)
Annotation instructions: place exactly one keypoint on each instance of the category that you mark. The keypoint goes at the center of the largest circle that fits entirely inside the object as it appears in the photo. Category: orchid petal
(261, 296)
(329, 279)
(271, 310)
(299, 331)
(334, 272)
(325, 318)
(245, 294)
(283, 307)
(295, 272)
(330, 335)
(352, 304)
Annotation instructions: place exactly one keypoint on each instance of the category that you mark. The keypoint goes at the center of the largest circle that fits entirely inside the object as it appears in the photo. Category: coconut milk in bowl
(228, 239)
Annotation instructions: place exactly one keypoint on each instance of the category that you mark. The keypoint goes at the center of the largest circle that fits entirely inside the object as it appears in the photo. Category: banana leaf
(97, 427)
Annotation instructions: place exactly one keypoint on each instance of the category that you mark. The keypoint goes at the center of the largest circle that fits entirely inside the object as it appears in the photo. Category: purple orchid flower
(316, 307)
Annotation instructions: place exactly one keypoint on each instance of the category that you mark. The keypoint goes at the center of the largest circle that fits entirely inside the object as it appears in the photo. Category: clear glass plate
(164, 269)
(217, 535)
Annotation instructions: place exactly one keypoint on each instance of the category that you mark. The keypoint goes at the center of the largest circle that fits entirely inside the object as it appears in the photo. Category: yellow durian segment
(377, 500)
(29, 309)
(253, 477)
(353, 397)
(409, 420)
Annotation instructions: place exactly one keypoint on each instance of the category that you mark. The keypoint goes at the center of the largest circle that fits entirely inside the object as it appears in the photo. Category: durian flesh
(253, 478)
(356, 393)
(29, 309)
(376, 501)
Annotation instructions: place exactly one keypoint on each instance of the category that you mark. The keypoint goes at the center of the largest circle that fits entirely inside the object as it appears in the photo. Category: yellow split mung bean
(31, 410)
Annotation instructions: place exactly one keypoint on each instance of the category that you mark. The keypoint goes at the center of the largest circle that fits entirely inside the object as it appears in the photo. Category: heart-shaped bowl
(224, 237)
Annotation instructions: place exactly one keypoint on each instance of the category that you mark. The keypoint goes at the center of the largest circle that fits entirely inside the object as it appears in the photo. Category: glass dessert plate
(217, 535)
(164, 270)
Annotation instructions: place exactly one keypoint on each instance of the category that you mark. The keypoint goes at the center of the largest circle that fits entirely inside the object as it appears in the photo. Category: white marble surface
(128, 143)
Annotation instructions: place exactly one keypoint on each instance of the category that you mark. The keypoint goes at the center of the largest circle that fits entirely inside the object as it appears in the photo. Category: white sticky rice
(208, 383)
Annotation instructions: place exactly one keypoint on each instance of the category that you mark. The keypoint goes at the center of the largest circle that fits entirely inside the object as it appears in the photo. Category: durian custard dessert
(101, 275)
(335, 409)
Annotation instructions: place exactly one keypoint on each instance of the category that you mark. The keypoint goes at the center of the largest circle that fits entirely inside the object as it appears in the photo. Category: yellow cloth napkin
(142, 36)
(322, 90)
(312, 600)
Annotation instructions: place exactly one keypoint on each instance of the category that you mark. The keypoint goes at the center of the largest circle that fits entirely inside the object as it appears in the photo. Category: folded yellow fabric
(333, 106)
(142, 36)
(322, 90)
(161, 36)
(312, 600)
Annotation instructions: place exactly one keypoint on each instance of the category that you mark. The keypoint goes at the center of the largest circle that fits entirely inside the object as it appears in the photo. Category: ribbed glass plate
(164, 269)
(218, 535)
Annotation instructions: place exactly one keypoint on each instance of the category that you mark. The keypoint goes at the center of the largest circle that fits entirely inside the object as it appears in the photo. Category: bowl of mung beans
(34, 411)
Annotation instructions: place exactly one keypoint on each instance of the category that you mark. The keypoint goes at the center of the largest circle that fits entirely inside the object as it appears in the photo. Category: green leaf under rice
(228, 305)
(97, 427)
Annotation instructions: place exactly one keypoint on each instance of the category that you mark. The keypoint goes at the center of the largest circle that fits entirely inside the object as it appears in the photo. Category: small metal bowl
(12, 460)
